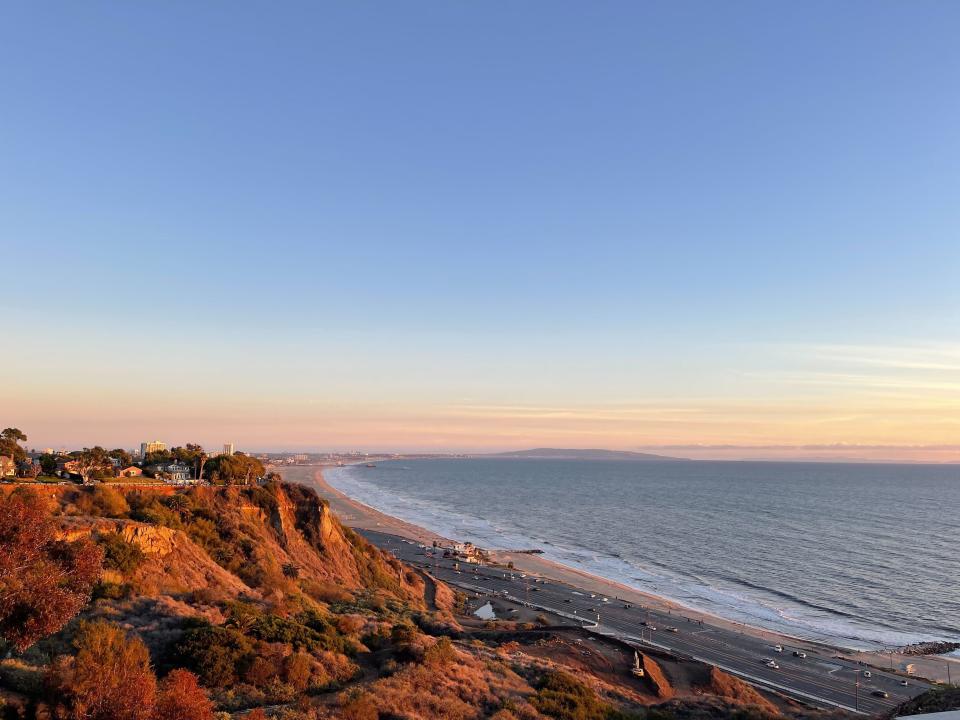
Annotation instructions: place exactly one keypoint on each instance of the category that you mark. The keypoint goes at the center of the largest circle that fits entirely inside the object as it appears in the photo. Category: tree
(236, 469)
(122, 455)
(91, 461)
(182, 698)
(111, 678)
(29, 470)
(44, 581)
(159, 457)
(10, 439)
(192, 455)
(48, 464)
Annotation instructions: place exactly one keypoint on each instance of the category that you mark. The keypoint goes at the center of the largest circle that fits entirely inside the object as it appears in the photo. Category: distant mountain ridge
(584, 454)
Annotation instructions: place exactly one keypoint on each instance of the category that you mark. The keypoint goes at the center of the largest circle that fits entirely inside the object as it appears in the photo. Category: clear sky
(462, 225)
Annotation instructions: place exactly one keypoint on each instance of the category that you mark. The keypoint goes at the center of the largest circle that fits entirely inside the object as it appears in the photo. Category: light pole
(856, 689)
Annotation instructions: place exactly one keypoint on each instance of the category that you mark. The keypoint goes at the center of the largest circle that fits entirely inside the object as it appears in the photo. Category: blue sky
(363, 218)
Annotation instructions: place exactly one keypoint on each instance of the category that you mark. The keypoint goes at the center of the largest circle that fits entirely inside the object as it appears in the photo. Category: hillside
(250, 600)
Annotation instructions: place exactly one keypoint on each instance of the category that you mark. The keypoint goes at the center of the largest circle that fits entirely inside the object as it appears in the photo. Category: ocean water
(864, 556)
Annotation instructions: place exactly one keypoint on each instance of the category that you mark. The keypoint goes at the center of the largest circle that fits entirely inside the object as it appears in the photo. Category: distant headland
(585, 454)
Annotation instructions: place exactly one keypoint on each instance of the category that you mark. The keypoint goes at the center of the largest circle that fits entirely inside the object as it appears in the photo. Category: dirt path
(429, 590)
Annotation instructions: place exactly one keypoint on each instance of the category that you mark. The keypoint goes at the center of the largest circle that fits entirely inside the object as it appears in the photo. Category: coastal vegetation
(254, 601)
(10, 439)
(187, 464)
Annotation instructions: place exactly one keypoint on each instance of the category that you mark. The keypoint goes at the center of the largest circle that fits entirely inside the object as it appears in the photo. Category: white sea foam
(751, 606)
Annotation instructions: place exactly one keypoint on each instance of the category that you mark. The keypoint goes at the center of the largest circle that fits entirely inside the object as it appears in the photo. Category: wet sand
(357, 515)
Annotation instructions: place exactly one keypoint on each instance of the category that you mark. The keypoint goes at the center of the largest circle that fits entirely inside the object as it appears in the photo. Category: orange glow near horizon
(884, 404)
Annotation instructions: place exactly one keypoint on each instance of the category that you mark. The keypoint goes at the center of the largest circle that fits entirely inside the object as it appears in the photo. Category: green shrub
(442, 653)
(218, 655)
(102, 501)
(148, 509)
(272, 628)
(120, 555)
(562, 696)
(112, 591)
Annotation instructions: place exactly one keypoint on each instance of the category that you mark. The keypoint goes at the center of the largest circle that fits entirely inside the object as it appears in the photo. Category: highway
(818, 679)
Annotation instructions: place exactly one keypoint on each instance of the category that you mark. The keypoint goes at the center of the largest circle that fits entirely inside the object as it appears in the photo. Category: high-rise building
(228, 448)
(149, 447)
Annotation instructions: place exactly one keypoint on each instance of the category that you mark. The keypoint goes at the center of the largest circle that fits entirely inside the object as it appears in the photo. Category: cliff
(236, 542)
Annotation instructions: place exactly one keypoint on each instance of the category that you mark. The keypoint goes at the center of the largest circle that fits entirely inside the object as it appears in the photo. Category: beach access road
(814, 675)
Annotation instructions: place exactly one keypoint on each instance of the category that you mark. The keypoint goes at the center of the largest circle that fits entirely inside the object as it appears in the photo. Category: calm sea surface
(861, 555)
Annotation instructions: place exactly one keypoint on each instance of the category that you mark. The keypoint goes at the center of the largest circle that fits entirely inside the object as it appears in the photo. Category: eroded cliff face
(173, 564)
(234, 540)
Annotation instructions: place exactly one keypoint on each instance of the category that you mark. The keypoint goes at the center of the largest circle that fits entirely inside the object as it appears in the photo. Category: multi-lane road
(806, 672)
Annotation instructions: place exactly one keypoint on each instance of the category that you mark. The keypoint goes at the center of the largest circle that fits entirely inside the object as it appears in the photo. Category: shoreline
(358, 515)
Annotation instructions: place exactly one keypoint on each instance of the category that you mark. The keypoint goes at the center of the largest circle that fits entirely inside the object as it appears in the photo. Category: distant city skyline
(803, 453)
(456, 227)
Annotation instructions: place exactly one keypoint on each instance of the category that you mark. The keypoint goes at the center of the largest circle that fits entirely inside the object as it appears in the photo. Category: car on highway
(880, 693)
(778, 648)
(673, 629)
(627, 606)
(867, 674)
(904, 683)
(799, 654)
(773, 664)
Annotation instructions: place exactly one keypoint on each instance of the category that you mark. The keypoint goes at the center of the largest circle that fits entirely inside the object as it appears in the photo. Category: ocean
(862, 556)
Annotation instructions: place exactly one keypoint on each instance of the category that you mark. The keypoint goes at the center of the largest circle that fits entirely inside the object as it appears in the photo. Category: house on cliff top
(175, 473)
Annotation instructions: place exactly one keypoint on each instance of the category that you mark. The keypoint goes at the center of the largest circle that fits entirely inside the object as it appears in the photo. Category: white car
(778, 648)
(773, 664)
(867, 674)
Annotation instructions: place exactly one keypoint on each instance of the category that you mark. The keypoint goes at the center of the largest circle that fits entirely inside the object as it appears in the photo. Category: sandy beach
(358, 515)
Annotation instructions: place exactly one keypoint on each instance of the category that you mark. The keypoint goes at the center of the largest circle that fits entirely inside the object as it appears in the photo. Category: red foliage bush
(44, 581)
(111, 678)
(182, 698)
